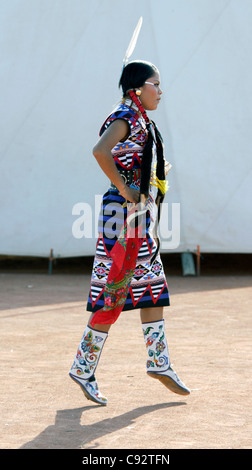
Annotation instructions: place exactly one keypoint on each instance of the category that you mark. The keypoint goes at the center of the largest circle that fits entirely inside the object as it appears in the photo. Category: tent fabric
(60, 62)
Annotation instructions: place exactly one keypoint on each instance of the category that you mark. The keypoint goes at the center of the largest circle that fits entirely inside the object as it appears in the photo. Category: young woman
(127, 271)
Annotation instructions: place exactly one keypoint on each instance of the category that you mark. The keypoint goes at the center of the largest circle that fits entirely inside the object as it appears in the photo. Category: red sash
(124, 254)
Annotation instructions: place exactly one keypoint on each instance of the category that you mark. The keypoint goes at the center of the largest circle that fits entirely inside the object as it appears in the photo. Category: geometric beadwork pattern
(101, 270)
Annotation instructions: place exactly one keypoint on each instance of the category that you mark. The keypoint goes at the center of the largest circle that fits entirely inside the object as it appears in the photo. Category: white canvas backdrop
(60, 62)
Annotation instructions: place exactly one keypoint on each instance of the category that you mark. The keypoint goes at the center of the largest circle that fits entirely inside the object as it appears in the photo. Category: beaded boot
(85, 363)
(158, 364)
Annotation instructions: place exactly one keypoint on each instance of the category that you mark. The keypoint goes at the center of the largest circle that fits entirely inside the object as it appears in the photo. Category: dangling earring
(138, 92)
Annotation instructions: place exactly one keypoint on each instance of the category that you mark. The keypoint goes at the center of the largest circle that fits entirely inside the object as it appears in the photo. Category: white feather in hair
(133, 41)
(132, 45)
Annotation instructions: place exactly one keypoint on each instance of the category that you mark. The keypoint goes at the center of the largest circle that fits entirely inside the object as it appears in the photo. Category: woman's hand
(130, 194)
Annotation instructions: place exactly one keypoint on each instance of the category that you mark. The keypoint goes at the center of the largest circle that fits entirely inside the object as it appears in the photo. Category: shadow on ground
(68, 433)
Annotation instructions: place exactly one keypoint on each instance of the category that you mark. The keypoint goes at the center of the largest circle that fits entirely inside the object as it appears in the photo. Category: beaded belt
(130, 176)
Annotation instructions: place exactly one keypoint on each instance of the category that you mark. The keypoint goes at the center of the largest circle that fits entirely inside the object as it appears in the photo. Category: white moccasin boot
(85, 363)
(158, 364)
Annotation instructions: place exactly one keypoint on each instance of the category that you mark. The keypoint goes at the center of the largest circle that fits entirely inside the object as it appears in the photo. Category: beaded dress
(148, 286)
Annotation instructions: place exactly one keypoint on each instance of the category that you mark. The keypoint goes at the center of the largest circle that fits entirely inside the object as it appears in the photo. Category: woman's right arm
(116, 132)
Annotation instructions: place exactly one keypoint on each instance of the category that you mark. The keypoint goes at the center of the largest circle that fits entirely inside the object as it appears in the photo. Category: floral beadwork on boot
(158, 362)
(87, 354)
(156, 345)
(85, 363)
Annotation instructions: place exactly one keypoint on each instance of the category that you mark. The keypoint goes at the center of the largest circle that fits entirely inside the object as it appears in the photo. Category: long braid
(139, 105)
(146, 165)
(147, 153)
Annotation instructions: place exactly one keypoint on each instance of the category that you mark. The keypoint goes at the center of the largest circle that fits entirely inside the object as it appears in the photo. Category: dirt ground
(209, 331)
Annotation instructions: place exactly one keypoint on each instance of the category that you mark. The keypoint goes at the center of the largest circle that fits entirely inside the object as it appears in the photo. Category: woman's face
(151, 92)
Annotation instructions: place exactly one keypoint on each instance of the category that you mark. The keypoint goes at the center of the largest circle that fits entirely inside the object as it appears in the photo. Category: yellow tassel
(160, 184)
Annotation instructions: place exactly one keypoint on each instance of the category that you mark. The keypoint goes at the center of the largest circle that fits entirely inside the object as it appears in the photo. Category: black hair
(135, 73)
